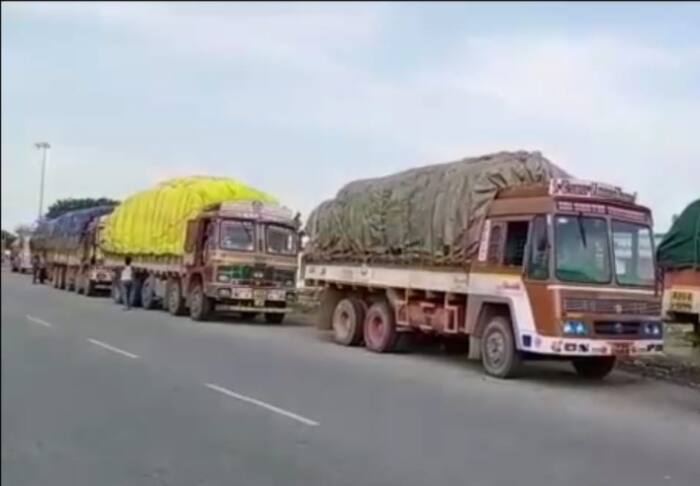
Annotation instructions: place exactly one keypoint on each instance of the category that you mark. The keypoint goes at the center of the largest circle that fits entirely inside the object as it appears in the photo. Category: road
(95, 395)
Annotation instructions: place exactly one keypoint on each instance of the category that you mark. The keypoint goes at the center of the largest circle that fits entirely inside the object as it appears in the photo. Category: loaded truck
(679, 260)
(68, 247)
(21, 253)
(505, 255)
(203, 245)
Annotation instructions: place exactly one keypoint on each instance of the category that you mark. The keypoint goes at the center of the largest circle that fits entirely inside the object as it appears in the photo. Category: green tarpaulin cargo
(429, 215)
(680, 247)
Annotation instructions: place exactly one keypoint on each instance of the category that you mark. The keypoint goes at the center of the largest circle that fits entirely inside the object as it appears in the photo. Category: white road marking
(262, 404)
(38, 321)
(112, 348)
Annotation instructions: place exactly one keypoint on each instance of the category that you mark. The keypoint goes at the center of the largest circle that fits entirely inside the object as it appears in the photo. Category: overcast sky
(298, 99)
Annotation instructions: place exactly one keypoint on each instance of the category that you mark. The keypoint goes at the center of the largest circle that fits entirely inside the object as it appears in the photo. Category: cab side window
(538, 259)
(516, 239)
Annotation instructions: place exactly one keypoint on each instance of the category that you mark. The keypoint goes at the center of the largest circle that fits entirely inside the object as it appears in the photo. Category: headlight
(652, 329)
(574, 328)
(258, 275)
(223, 278)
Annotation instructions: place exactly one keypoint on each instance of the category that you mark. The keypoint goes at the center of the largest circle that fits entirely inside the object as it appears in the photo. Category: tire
(499, 356)
(274, 317)
(89, 288)
(324, 315)
(379, 329)
(200, 305)
(595, 368)
(80, 284)
(348, 321)
(148, 294)
(116, 291)
(175, 302)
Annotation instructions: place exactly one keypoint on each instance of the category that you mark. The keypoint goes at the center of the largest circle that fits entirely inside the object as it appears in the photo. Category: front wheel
(200, 305)
(274, 317)
(499, 356)
(595, 368)
(148, 294)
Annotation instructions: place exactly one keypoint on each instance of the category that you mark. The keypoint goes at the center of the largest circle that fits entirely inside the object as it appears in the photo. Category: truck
(69, 251)
(21, 253)
(678, 255)
(232, 250)
(505, 256)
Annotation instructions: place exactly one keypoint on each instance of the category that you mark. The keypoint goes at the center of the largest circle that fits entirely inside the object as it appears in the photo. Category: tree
(63, 206)
(8, 238)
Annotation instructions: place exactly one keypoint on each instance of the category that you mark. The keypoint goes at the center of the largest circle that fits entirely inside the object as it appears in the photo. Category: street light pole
(45, 146)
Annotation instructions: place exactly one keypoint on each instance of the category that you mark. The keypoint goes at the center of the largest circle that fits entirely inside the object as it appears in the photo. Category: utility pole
(45, 146)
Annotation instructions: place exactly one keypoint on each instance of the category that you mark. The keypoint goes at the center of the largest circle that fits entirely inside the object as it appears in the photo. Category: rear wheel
(200, 305)
(148, 294)
(348, 321)
(595, 368)
(116, 291)
(89, 287)
(176, 304)
(274, 317)
(380, 328)
(499, 356)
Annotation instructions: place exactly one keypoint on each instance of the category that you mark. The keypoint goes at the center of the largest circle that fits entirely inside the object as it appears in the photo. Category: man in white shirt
(127, 280)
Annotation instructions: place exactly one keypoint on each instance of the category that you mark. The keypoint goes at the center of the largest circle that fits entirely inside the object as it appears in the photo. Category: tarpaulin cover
(680, 247)
(154, 222)
(431, 215)
(66, 232)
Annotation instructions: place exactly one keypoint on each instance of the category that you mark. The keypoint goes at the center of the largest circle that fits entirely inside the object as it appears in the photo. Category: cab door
(537, 277)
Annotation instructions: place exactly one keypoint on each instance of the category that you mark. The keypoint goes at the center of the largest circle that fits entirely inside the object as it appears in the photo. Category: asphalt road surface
(94, 395)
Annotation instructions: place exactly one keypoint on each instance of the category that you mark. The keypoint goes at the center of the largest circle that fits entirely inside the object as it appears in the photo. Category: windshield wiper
(581, 230)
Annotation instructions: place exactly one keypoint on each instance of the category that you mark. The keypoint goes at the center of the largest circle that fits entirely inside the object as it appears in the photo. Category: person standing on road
(127, 281)
(36, 268)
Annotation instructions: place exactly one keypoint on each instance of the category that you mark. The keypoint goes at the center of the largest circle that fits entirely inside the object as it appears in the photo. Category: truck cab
(574, 263)
(244, 256)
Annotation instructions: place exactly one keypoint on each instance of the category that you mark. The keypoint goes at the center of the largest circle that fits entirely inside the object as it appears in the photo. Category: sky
(298, 99)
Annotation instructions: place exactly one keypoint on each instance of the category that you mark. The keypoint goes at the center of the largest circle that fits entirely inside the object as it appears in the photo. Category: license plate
(681, 301)
(620, 349)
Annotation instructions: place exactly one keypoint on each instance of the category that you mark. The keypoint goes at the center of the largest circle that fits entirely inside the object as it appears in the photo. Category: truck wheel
(116, 291)
(380, 328)
(80, 284)
(89, 288)
(148, 294)
(176, 304)
(348, 321)
(200, 305)
(594, 368)
(324, 315)
(274, 318)
(499, 356)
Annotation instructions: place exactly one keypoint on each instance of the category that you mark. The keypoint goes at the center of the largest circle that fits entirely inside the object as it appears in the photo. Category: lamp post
(45, 146)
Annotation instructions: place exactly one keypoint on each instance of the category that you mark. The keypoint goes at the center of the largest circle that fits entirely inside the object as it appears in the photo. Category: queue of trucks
(504, 257)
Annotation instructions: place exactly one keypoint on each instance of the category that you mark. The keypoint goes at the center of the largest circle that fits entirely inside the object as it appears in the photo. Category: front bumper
(561, 346)
(251, 299)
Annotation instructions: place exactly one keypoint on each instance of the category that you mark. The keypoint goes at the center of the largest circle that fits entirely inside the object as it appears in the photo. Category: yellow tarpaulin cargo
(154, 222)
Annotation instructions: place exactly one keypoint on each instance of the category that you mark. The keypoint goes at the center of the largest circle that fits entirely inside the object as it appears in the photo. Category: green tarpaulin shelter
(680, 248)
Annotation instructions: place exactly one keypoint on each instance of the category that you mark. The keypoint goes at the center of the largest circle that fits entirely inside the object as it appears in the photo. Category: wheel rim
(377, 330)
(495, 349)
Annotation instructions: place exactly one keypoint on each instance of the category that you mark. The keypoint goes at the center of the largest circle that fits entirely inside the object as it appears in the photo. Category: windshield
(281, 240)
(634, 257)
(238, 235)
(582, 249)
